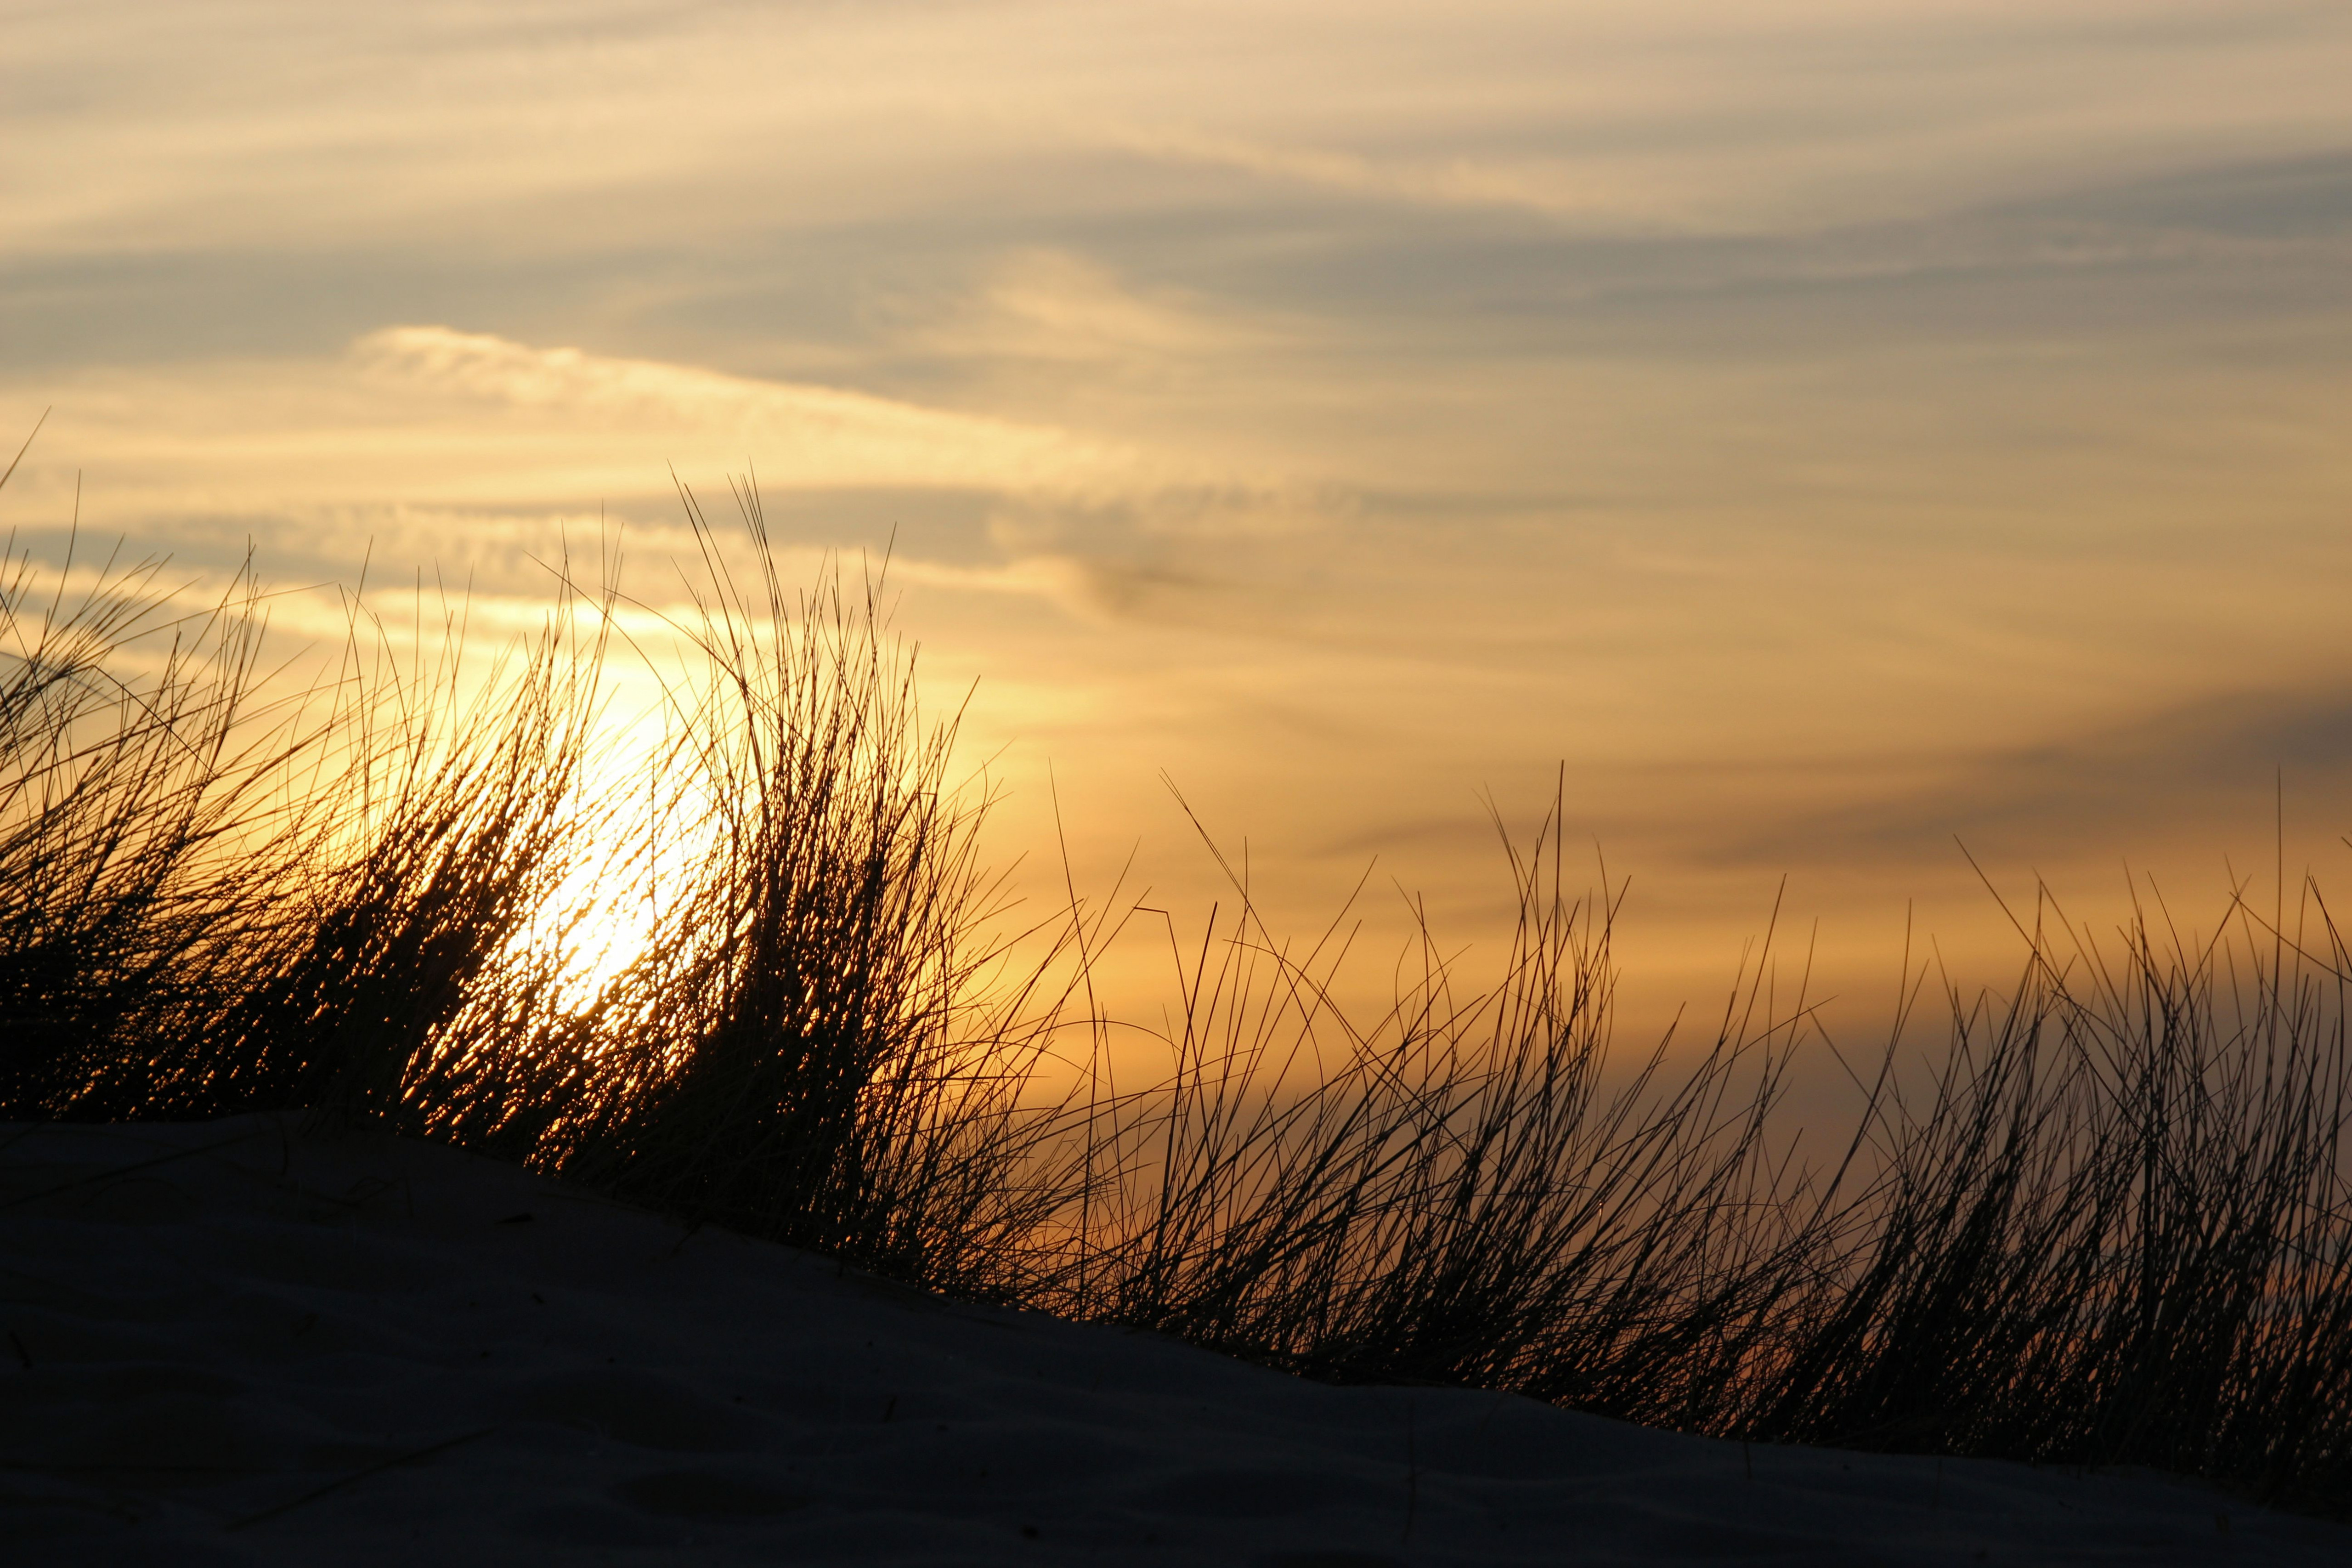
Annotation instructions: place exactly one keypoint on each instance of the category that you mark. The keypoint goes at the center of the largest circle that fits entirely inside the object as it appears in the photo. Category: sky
(1804, 437)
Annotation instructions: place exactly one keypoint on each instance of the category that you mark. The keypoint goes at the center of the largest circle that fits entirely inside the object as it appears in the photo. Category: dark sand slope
(230, 1344)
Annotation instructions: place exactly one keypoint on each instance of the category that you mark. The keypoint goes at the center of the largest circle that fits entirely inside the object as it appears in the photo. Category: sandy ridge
(231, 1342)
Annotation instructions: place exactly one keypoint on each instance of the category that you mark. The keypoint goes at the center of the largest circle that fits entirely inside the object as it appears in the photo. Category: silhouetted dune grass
(217, 903)
(808, 1046)
(1450, 1195)
(2113, 1227)
(2117, 1233)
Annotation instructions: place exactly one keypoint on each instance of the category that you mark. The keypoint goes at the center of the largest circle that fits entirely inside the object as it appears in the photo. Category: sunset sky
(1813, 429)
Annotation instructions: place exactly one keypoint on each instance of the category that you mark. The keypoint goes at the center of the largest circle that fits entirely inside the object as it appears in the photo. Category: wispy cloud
(804, 435)
(481, 454)
(1556, 187)
(1042, 303)
(2113, 791)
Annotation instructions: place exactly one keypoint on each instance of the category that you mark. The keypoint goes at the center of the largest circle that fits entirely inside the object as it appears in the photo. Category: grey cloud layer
(2216, 761)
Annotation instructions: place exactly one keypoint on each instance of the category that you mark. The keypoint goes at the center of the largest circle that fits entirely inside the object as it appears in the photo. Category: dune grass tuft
(1451, 1194)
(217, 903)
(810, 1045)
(2119, 1231)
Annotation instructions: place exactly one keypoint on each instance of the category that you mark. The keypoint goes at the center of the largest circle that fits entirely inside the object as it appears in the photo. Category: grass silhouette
(2113, 1229)
(2118, 1232)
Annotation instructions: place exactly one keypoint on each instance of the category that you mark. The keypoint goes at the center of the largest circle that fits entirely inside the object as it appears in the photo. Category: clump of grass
(459, 821)
(1453, 1195)
(816, 1045)
(220, 901)
(139, 840)
(2119, 1232)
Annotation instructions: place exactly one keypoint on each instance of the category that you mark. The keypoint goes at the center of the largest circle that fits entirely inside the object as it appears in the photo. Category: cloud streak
(2113, 791)
(806, 436)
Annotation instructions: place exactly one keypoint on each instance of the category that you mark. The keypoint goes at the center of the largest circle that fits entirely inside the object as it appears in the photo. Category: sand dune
(231, 1342)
